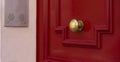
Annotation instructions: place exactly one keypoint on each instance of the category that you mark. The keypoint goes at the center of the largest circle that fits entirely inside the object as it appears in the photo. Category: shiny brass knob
(76, 25)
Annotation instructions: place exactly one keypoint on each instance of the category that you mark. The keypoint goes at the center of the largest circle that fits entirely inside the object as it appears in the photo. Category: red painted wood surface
(98, 42)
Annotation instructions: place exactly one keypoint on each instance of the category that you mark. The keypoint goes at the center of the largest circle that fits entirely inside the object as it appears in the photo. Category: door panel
(94, 15)
(97, 42)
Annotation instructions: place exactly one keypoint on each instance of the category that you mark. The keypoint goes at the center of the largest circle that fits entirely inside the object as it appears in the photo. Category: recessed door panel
(93, 14)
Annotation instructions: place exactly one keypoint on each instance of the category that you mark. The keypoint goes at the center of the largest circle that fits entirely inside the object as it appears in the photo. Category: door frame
(42, 14)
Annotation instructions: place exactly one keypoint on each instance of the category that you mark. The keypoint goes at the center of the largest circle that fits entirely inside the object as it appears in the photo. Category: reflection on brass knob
(76, 25)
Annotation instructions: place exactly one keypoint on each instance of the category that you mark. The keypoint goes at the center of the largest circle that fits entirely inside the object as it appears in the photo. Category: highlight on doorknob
(76, 25)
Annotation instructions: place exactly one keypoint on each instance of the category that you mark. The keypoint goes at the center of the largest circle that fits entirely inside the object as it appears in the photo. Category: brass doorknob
(76, 25)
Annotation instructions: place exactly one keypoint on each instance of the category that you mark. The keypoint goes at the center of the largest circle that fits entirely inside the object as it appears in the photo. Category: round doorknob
(76, 25)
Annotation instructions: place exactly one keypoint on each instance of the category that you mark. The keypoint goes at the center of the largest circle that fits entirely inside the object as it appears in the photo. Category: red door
(78, 31)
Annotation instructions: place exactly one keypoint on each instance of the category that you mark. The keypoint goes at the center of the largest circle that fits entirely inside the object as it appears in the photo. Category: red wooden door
(98, 41)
